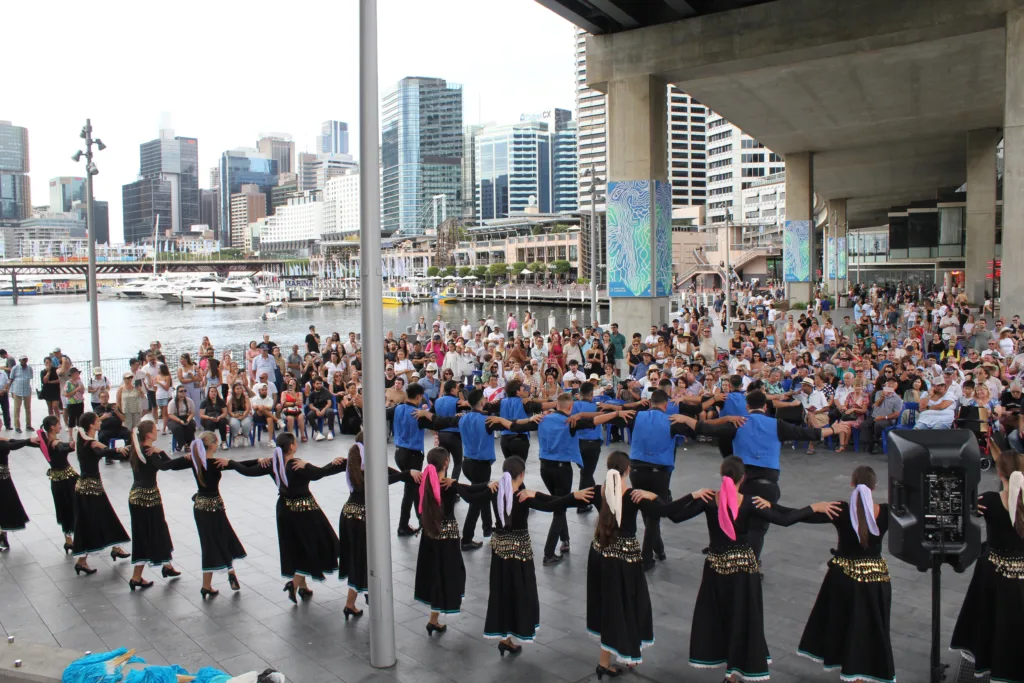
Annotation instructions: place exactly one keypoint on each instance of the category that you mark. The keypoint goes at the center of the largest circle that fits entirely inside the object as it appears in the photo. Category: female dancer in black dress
(96, 524)
(440, 572)
(618, 604)
(513, 608)
(306, 540)
(62, 475)
(352, 563)
(218, 543)
(728, 617)
(849, 624)
(152, 544)
(988, 628)
(12, 513)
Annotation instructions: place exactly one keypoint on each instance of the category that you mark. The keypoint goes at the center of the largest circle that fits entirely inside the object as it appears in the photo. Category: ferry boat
(449, 295)
(273, 311)
(397, 297)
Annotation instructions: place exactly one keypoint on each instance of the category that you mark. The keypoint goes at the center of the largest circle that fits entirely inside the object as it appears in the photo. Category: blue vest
(652, 439)
(593, 434)
(407, 430)
(477, 443)
(556, 443)
(735, 404)
(512, 409)
(757, 442)
(671, 408)
(445, 407)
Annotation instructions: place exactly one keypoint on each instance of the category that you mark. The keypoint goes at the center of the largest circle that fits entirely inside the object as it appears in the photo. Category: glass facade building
(242, 167)
(168, 185)
(333, 138)
(15, 192)
(64, 192)
(144, 202)
(421, 153)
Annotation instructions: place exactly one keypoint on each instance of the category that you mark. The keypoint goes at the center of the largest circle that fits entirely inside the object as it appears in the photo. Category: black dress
(440, 572)
(513, 607)
(63, 479)
(618, 604)
(96, 524)
(50, 392)
(218, 543)
(988, 630)
(152, 544)
(728, 616)
(12, 514)
(305, 538)
(352, 564)
(849, 624)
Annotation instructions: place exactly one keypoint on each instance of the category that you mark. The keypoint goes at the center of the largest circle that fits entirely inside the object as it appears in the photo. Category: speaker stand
(938, 673)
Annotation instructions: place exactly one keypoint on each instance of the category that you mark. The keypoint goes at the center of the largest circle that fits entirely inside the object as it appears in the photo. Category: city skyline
(126, 116)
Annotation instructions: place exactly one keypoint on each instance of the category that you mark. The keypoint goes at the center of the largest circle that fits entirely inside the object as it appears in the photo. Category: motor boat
(450, 295)
(273, 311)
(230, 293)
(136, 289)
(173, 292)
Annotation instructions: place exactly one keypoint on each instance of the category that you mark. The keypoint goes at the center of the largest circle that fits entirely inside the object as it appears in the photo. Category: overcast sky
(224, 72)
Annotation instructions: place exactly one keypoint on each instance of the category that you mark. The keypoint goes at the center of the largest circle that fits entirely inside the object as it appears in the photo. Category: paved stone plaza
(43, 601)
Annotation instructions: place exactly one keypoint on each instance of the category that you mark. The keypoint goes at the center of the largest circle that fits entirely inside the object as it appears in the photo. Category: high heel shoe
(607, 671)
(117, 553)
(233, 582)
(289, 588)
(4, 544)
(435, 628)
(349, 612)
(504, 647)
(140, 584)
(79, 569)
(305, 593)
(208, 592)
(68, 547)
(169, 572)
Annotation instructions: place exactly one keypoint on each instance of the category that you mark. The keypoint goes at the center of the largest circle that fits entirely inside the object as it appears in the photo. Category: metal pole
(593, 245)
(94, 311)
(728, 278)
(378, 523)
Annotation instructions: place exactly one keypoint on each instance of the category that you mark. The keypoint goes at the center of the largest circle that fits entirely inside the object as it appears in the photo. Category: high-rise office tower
(242, 166)
(687, 154)
(469, 206)
(280, 148)
(15, 192)
(64, 192)
(100, 217)
(248, 205)
(214, 176)
(735, 161)
(209, 209)
(314, 170)
(168, 187)
(421, 154)
(333, 138)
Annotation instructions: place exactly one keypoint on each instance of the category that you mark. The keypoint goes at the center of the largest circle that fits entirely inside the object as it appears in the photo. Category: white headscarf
(198, 450)
(612, 492)
(504, 497)
(280, 471)
(1016, 491)
(138, 446)
(864, 493)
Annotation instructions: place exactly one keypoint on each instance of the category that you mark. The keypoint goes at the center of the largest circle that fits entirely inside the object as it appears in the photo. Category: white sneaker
(281, 424)
(330, 436)
(225, 446)
(318, 436)
(273, 444)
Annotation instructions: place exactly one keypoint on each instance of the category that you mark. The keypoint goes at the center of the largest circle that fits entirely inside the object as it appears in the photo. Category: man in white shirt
(466, 330)
(952, 377)
(652, 338)
(264, 382)
(937, 408)
(351, 346)
(263, 409)
(573, 373)
(264, 363)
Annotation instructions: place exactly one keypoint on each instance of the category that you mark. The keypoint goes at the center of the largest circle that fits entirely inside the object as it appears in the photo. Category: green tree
(448, 270)
(498, 270)
(432, 271)
(562, 267)
(480, 271)
(464, 271)
(518, 267)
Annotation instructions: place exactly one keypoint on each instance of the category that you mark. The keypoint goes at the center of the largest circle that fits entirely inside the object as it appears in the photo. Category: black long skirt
(988, 629)
(218, 543)
(97, 526)
(305, 538)
(12, 513)
(848, 628)
(152, 544)
(618, 603)
(513, 608)
(440, 572)
(352, 547)
(728, 617)
(62, 488)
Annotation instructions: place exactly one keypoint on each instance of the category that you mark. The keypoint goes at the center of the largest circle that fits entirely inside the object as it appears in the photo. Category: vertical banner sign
(639, 246)
(843, 272)
(830, 258)
(796, 251)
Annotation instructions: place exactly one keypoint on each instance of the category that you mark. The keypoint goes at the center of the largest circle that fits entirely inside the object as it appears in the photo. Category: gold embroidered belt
(208, 503)
(449, 529)
(1010, 566)
(5, 472)
(145, 497)
(62, 475)
(89, 487)
(354, 511)
(304, 504)
(733, 560)
(512, 545)
(863, 569)
(625, 548)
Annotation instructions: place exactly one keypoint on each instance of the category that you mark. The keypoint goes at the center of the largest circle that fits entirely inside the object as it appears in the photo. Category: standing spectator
(96, 384)
(312, 340)
(74, 396)
(21, 389)
(5, 388)
(50, 391)
(131, 400)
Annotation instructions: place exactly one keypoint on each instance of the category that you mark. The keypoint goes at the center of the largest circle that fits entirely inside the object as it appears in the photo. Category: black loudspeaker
(933, 497)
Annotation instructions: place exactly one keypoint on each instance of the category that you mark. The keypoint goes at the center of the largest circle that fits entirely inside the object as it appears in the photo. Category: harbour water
(38, 324)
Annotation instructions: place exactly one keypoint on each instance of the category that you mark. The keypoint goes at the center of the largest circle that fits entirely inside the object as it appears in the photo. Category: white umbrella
(470, 277)
(526, 271)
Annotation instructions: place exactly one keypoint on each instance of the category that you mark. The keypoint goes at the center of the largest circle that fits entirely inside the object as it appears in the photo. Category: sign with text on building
(639, 238)
(796, 251)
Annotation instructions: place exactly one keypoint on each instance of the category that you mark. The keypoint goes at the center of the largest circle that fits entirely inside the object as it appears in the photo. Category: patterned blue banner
(639, 249)
(796, 251)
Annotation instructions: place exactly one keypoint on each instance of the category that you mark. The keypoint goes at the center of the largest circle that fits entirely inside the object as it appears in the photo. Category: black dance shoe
(504, 647)
(610, 672)
(4, 543)
(233, 582)
(661, 556)
(79, 569)
(649, 565)
(68, 547)
(436, 628)
(305, 593)
(117, 553)
(349, 612)
(289, 588)
(565, 548)
(140, 584)
(407, 531)
(471, 545)
(552, 560)
(208, 592)
(584, 509)
(169, 572)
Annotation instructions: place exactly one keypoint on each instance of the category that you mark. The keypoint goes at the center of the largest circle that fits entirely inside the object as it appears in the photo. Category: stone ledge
(39, 663)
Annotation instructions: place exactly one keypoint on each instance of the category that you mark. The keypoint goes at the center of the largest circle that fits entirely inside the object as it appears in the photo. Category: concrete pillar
(981, 211)
(836, 265)
(638, 154)
(1011, 289)
(798, 232)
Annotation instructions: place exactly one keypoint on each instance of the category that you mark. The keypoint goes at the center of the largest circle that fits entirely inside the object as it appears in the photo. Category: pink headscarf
(429, 478)
(728, 506)
(42, 444)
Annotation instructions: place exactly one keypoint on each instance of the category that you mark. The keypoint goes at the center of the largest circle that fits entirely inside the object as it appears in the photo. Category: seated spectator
(936, 408)
(320, 406)
(262, 406)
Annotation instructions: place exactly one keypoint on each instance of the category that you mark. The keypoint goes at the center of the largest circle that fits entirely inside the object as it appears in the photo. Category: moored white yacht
(230, 293)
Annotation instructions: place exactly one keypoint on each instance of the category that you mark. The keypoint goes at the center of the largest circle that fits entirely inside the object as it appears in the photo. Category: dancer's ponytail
(862, 505)
(1010, 464)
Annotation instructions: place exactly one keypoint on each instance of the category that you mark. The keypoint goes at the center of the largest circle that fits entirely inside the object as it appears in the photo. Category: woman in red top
(291, 408)
(555, 352)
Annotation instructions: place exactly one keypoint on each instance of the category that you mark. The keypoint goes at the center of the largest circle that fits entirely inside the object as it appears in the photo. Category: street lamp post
(592, 173)
(90, 171)
(728, 276)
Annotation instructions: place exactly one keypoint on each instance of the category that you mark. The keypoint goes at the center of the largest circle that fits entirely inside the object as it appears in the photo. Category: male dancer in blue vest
(736, 405)
(516, 406)
(447, 405)
(590, 441)
(758, 442)
(409, 435)
(477, 440)
(558, 434)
